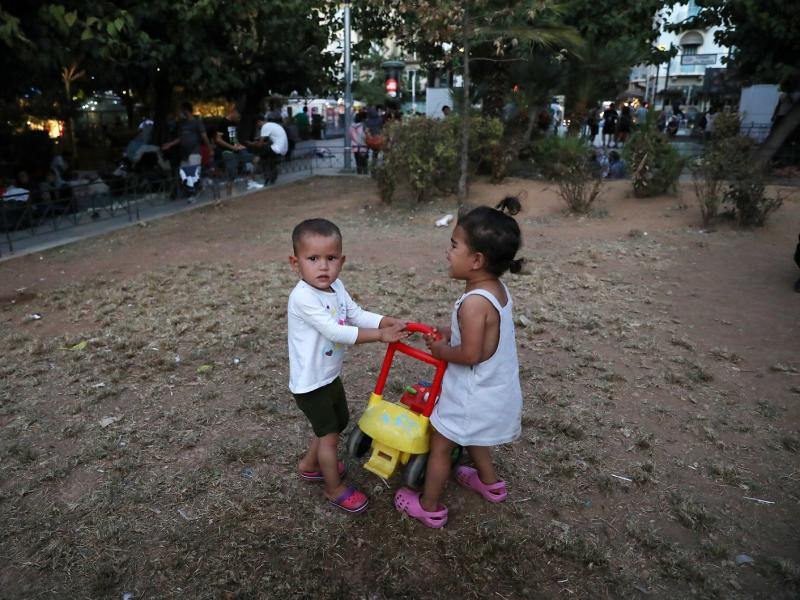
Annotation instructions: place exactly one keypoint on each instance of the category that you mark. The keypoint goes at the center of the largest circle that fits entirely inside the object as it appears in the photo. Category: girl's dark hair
(495, 233)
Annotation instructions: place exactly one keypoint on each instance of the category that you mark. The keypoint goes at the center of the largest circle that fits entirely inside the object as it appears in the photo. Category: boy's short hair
(321, 227)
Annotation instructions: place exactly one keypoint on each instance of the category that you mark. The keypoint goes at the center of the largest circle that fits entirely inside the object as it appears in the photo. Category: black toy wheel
(414, 473)
(358, 443)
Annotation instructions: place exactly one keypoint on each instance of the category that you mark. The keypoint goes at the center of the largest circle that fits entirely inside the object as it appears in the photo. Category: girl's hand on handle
(437, 340)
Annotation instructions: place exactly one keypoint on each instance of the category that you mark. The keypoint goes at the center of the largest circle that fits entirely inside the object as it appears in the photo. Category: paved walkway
(295, 171)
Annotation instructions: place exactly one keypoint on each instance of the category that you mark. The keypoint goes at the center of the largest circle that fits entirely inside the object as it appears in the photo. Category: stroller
(142, 169)
(191, 182)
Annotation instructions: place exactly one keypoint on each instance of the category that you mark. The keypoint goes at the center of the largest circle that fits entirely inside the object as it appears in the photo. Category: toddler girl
(481, 401)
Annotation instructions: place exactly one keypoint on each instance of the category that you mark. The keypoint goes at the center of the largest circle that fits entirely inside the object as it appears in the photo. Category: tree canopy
(202, 48)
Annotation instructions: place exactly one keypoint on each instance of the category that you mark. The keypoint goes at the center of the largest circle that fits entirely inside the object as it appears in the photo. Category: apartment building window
(690, 43)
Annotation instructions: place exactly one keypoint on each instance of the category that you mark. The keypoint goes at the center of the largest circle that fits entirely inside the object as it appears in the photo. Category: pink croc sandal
(468, 478)
(317, 475)
(407, 500)
(351, 501)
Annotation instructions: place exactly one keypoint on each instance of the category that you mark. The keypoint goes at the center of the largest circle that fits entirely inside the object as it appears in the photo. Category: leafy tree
(206, 48)
(617, 37)
(52, 46)
(467, 24)
(764, 43)
(213, 48)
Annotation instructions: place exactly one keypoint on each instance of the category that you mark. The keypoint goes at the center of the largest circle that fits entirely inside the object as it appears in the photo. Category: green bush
(728, 175)
(747, 199)
(655, 165)
(570, 163)
(423, 154)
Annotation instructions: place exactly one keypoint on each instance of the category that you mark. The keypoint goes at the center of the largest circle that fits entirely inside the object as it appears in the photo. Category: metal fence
(757, 131)
(129, 198)
(55, 210)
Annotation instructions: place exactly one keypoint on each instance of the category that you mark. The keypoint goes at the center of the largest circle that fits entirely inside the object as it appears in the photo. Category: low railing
(756, 131)
(48, 211)
(55, 210)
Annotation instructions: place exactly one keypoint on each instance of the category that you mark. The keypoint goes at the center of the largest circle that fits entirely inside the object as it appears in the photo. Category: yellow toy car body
(399, 432)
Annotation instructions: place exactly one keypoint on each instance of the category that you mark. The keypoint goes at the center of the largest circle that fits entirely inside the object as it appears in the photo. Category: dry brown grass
(158, 457)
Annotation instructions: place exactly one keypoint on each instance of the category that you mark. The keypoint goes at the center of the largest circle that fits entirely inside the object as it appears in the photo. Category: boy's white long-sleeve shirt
(320, 325)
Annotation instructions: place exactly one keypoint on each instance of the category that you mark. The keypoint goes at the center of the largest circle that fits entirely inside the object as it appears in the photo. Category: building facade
(684, 78)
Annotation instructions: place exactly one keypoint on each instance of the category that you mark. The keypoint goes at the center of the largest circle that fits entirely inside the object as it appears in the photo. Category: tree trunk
(130, 103)
(494, 98)
(69, 124)
(778, 135)
(250, 109)
(532, 114)
(162, 102)
(577, 117)
(463, 189)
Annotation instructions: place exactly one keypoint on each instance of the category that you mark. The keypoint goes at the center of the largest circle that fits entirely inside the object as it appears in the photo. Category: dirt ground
(149, 442)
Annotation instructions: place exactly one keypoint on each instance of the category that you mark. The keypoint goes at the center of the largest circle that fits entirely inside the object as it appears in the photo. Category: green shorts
(326, 408)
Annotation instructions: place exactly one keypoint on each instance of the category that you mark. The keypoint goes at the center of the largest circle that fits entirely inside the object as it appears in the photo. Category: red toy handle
(417, 354)
(424, 329)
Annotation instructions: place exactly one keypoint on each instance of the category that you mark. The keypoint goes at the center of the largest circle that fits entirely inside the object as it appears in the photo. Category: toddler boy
(323, 319)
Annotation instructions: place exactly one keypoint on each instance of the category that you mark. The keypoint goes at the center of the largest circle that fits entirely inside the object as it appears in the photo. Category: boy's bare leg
(482, 457)
(329, 465)
(310, 462)
(437, 471)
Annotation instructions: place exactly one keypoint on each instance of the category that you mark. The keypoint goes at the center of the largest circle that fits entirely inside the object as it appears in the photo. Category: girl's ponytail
(516, 265)
(509, 205)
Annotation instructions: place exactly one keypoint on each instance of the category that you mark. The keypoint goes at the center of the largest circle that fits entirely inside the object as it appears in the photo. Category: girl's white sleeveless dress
(481, 405)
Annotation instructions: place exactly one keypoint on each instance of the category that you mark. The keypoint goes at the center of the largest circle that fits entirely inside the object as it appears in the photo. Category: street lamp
(661, 47)
(348, 92)
(666, 79)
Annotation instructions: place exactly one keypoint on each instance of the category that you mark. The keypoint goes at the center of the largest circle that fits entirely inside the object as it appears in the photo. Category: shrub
(746, 197)
(422, 154)
(708, 175)
(729, 175)
(487, 150)
(570, 163)
(655, 165)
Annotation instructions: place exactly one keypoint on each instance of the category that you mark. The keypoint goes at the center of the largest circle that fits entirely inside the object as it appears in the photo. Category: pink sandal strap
(407, 500)
(317, 475)
(493, 492)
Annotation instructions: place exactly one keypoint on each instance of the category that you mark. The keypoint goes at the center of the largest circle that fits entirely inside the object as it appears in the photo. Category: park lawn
(149, 441)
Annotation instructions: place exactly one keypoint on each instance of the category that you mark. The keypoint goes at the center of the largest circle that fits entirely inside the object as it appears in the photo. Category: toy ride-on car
(399, 432)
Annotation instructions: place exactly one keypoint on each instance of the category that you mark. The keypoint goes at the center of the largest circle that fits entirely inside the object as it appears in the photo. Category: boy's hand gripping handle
(418, 354)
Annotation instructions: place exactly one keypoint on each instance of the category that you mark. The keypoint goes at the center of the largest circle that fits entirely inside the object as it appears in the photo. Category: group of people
(54, 186)
(616, 125)
(215, 149)
(613, 125)
(366, 134)
(480, 404)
